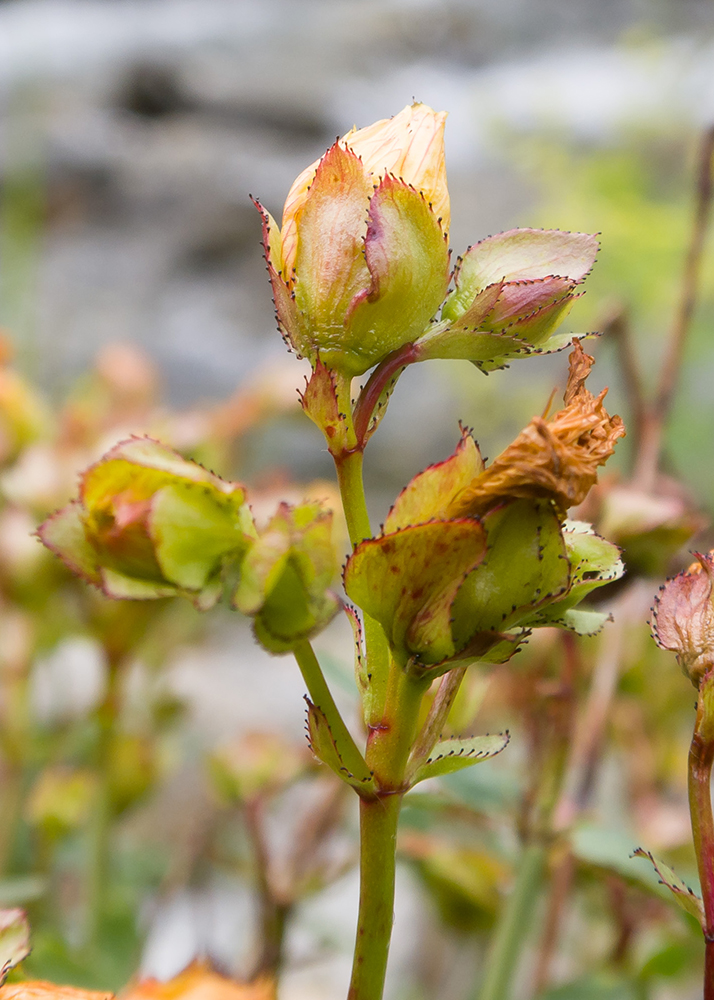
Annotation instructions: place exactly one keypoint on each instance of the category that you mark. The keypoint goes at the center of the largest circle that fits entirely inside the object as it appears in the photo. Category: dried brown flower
(554, 458)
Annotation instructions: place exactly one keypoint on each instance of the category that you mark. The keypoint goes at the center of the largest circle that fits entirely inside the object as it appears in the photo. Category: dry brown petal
(556, 458)
(199, 982)
(683, 617)
(37, 989)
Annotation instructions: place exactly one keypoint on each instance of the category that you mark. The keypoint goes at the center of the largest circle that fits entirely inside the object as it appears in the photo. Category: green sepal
(132, 588)
(291, 321)
(581, 622)
(286, 575)
(407, 581)
(194, 529)
(689, 901)
(491, 350)
(430, 492)
(408, 259)
(455, 754)
(520, 256)
(341, 756)
(64, 534)
(361, 673)
(320, 403)
(594, 562)
(525, 568)
(330, 267)
(14, 940)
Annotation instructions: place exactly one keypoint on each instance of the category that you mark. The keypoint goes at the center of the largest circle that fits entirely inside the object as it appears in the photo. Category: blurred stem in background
(554, 733)
(22, 209)
(98, 855)
(654, 417)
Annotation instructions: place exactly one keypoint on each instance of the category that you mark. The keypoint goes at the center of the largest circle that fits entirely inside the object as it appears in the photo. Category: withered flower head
(554, 458)
(683, 618)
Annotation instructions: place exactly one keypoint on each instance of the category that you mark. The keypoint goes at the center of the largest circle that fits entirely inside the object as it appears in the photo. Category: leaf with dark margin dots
(689, 901)
(456, 754)
(346, 761)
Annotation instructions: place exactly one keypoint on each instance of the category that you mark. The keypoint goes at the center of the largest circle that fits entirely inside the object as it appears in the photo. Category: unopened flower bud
(511, 292)
(148, 523)
(683, 617)
(361, 265)
(287, 575)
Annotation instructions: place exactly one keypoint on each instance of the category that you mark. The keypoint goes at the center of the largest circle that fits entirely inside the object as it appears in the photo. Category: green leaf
(456, 754)
(689, 901)
(525, 567)
(14, 940)
(341, 756)
(407, 581)
(597, 987)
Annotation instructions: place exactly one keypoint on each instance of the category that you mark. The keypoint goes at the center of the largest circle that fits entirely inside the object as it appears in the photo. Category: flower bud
(511, 292)
(148, 523)
(286, 577)
(361, 265)
(683, 617)
(471, 557)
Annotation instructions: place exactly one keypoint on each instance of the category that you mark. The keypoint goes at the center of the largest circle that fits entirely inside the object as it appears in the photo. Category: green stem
(348, 466)
(378, 844)
(98, 860)
(506, 945)
(354, 502)
(387, 755)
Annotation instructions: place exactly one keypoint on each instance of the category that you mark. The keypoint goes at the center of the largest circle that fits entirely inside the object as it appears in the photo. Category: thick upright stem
(378, 844)
(387, 755)
(708, 970)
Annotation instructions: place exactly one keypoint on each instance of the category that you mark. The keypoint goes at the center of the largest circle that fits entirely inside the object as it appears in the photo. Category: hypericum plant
(470, 558)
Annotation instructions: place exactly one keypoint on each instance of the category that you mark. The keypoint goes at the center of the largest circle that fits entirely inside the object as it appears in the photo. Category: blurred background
(133, 298)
